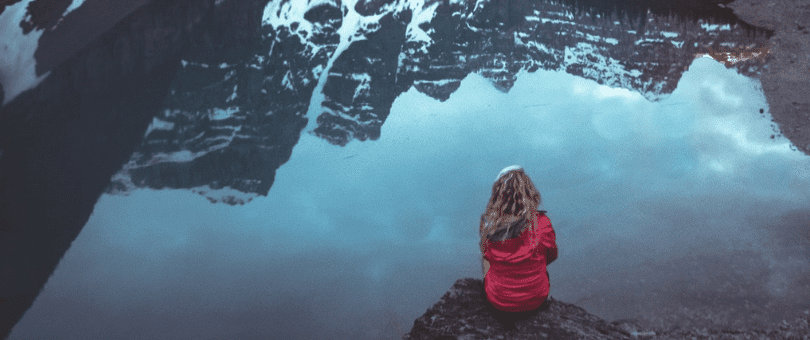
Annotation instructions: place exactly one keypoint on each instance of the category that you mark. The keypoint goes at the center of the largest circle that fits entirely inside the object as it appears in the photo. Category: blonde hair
(512, 205)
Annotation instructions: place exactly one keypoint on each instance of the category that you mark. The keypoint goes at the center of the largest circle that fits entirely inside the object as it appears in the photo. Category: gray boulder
(464, 313)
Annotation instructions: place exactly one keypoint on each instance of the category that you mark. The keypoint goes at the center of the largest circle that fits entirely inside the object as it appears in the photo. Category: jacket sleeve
(548, 239)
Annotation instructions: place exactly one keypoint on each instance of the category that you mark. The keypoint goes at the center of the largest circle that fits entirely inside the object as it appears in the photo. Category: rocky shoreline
(462, 313)
(787, 80)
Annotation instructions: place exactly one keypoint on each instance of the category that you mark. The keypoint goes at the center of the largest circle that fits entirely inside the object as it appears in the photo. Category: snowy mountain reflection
(354, 181)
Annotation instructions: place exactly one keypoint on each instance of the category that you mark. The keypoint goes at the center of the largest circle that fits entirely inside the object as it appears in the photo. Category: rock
(464, 313)
(63, 140)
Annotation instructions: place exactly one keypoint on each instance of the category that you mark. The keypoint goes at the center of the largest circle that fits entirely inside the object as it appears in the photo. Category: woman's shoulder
(541, 214)
(542, 218)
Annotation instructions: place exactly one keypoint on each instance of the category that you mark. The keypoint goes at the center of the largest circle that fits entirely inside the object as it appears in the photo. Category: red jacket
(517, 279)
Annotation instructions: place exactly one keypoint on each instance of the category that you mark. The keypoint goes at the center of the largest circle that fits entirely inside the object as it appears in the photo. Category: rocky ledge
(464, 313)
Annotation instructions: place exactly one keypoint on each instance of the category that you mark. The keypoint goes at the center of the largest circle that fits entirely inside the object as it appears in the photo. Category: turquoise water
(352, 241)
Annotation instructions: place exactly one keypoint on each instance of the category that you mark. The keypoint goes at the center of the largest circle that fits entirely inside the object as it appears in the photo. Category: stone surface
(787, 81)
(464, 313)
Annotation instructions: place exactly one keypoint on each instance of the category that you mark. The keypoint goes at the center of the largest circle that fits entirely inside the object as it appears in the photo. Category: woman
(517, 243)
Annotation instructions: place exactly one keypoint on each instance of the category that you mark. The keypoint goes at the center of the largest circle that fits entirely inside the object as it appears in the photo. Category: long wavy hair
(511, 208)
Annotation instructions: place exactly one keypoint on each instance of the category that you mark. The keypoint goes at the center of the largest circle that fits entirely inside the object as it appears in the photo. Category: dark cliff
(62, 141)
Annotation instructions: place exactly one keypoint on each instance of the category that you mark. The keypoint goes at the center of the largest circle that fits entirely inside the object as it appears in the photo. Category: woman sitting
(517, 243)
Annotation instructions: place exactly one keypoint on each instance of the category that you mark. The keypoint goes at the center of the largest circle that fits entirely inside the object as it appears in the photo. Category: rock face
(63, 140)
(786, 83)
(233, 113)
(464, 313)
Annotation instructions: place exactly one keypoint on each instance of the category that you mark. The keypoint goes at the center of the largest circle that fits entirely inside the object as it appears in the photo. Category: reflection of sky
(342, 246)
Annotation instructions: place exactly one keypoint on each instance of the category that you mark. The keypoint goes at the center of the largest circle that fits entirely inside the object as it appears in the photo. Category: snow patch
(420, 15)
(182, 156)
(596, 38)
(365, 84)
(260, 60)
(171, 113)
(233, 95)
(350, 31)
(230, 74)
(567, 14)
(647, 40)
(284, 13)
(441, 82)
(226, 193)
(73, 6)
(556, 21)
(17, 66)
(287, 82)
(530, 44)
(606, 68)
(316, 71)
(220, 114)
(179, 156)
(158, 124)
(709, 27)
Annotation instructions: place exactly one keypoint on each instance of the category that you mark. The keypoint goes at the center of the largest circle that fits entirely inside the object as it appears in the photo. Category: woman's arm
(551, 254)
(548, 239)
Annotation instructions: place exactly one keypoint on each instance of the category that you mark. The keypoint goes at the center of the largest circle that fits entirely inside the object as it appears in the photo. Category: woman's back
(517, 279)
